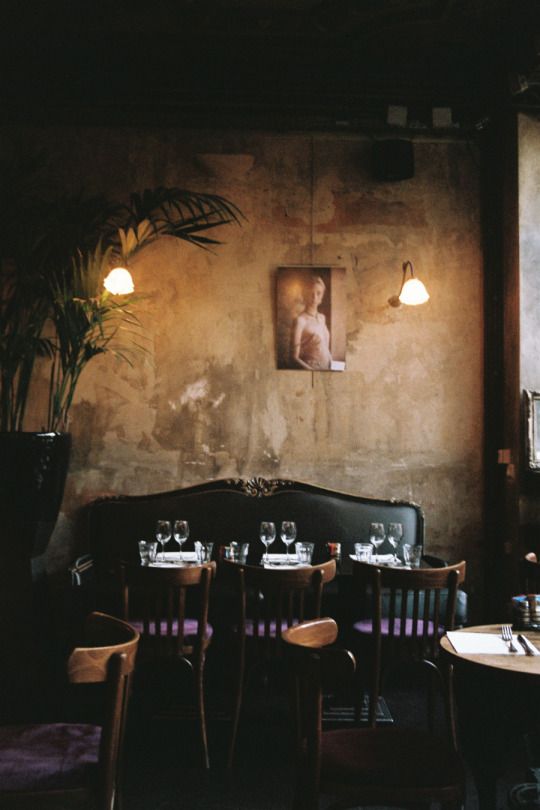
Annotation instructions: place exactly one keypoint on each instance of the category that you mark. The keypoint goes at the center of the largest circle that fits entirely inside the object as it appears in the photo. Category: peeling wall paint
(404, 420)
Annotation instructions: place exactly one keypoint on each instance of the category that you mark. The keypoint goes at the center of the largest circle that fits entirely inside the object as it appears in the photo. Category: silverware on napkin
(527, 646)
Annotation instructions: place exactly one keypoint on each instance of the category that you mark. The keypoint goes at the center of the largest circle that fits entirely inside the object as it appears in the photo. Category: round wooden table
(496, 691)
(514, 665)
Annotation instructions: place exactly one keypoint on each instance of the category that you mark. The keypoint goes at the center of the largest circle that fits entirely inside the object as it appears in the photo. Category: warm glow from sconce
(412, 291)
(119, 282)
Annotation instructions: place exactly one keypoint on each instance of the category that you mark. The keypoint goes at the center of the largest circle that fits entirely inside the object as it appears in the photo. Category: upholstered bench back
(226, 510)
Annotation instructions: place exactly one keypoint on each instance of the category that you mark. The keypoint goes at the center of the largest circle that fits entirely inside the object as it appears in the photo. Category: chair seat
(48, 756)
(191, 627)
(389, 757)
(365, 627)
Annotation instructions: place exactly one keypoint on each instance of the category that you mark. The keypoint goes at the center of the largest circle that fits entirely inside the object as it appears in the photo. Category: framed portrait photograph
(311, 327)
(532, 407)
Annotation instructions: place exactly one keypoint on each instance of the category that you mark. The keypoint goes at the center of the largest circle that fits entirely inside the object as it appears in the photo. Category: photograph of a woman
(310, 318)
(310, 338)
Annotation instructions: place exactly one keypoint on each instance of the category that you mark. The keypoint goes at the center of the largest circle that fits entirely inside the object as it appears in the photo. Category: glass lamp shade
(119, 282)
(413, 293)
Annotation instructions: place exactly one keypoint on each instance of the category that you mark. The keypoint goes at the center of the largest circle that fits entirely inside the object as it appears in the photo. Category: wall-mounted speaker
(392, 160)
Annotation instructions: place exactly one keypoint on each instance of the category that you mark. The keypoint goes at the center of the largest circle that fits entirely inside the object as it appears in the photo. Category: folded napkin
(383, 559)
(285, 566)
(281, 558)
(172, 558)
(482, 643)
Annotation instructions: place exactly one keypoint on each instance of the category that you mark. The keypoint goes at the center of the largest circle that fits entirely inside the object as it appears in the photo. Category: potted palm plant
(55, 313)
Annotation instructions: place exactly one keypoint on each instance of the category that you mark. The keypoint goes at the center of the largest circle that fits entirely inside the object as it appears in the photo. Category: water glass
(363, 552)
(147, 552)
(237, 552)
(203, 551)
(304, 552)
(412, 555)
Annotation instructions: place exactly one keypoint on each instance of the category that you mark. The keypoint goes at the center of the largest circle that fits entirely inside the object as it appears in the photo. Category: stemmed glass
(376, 535)
(288, 534)
(163, 535)
(395, 533)
(267, 534)
(181, 534)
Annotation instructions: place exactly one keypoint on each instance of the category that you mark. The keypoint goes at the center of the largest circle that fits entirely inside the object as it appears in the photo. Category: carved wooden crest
(259, 487)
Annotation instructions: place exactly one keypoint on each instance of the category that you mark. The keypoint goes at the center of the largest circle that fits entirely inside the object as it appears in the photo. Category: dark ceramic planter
(33, 470)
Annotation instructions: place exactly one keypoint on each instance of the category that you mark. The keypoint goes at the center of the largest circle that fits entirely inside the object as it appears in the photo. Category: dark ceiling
(286, 63)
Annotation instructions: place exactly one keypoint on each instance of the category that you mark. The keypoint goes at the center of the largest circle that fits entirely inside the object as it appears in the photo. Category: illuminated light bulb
(119, 282)
(413, 293)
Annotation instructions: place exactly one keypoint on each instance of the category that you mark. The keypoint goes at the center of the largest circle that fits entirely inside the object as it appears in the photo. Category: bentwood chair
(268, 601)
(358, 766)
(159, 603)
(405, 622)
(64, 765)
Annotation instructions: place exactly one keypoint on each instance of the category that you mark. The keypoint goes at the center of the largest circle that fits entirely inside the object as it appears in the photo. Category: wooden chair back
(317, 667)
(360, 765)
(270, 599)
(161, 600)
(413, 621)
(107, 656)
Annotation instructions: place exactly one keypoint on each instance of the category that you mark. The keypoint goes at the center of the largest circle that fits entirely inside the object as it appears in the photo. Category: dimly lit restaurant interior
(270, 405)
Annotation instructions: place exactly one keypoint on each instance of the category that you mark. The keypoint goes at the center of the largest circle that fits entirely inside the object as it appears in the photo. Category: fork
(506, 633)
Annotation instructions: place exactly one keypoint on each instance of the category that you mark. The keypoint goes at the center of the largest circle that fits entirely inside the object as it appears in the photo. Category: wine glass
(163, 535)
(181, 533)
(376, 535)
(288, 534)
(395, 533)
(267, 534)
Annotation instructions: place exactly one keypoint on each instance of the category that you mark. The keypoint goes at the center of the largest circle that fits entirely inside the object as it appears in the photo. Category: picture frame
(311, 317)
(532, 408)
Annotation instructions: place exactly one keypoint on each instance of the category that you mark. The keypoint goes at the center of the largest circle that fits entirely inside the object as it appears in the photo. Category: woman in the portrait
(310, 338)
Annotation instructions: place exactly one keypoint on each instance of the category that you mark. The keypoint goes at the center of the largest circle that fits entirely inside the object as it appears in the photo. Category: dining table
(496, 693)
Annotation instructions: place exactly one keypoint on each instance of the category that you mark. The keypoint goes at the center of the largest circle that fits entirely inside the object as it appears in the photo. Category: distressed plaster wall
(404, 420)
(529, 250)
(529, 283)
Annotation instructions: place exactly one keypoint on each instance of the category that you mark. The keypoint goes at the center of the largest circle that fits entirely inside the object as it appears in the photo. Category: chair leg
(199, 677)
(237, 705)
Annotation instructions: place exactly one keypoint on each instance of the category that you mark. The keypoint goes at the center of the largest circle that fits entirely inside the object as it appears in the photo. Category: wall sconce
(411, 292)
(119, 282)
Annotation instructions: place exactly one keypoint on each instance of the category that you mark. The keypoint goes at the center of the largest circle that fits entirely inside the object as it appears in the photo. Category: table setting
(506, 642)
(404, 555)
(148, 549)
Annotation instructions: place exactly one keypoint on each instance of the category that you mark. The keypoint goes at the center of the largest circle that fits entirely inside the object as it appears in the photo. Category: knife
(527, 646)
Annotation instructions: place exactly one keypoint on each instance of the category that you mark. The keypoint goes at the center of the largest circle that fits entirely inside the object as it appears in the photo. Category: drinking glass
(304, 552)
(412, 555)
(267, 534)
(288, 534)
(163, 535)
(362, 552)
(395, 533)
(376, 535)
(181, 533)
(203, 551)
(147, 552)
